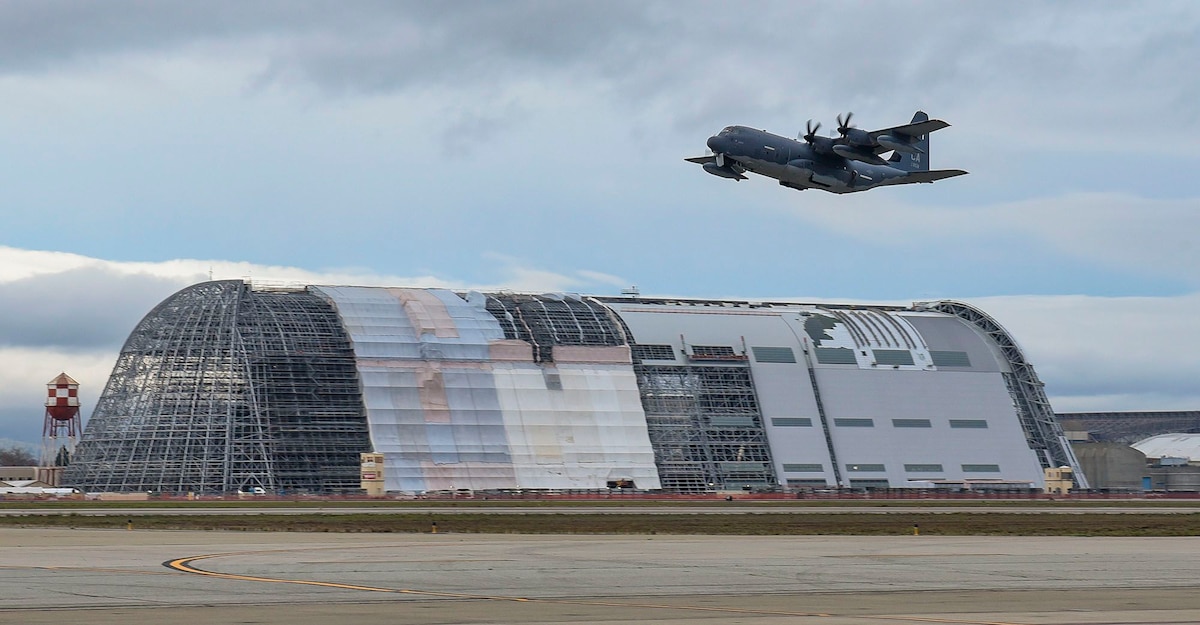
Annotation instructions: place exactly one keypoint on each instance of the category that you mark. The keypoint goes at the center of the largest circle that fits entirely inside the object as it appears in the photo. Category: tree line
(17, 456)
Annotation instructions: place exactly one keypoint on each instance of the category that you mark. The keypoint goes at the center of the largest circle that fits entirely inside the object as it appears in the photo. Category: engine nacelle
(856, 136)
(856, 153)
(725, 172)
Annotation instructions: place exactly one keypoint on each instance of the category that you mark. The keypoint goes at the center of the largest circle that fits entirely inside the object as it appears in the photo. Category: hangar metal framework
(549, 320)
(223, 388)
(705, 426)
(229, 386)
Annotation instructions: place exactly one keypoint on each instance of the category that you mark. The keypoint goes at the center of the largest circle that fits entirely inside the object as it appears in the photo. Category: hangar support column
(812, 377)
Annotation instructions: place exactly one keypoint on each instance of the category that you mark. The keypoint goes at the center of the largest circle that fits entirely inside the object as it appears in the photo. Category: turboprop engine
(857, 153)
(724, 171)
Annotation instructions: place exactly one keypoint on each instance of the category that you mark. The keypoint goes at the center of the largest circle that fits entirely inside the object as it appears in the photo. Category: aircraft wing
(929, 176)
(913, 130)
(711, 158)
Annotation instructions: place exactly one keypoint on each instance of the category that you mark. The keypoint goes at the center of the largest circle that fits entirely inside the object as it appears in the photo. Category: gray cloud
(87, 307)
(1153, 238)
(1108, 353)
(1010, 67)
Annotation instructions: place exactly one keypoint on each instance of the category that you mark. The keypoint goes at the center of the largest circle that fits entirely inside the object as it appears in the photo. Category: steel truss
(223, 388)
(705, 427)
(548, 320)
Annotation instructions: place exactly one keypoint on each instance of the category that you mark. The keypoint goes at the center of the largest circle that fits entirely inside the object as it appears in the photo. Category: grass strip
(400, 505)
(939, 524)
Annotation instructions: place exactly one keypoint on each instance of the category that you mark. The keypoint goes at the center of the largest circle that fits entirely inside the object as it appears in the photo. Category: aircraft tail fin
(918, 159)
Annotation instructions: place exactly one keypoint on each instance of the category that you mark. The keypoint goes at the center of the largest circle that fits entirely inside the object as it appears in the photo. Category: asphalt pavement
(105, 577)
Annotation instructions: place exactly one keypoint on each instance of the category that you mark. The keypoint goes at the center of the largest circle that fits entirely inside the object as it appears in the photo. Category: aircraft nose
(715, 143)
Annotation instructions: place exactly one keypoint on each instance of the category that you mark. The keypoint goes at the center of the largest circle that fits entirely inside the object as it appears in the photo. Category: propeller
(718, 157)
(811, 131)
(844, 126)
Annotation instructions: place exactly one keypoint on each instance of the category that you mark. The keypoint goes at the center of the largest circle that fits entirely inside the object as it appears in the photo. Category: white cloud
(1108, 353)
(1153, 236)
(18, 264)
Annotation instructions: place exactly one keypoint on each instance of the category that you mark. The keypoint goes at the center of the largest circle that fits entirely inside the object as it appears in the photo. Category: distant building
(1183, 446)
(1126, 427)
(10, 474)
(1059, 480)
(49, 475)
(1162, 463)
(1113, 467)
(225, 387)
(1174, 462)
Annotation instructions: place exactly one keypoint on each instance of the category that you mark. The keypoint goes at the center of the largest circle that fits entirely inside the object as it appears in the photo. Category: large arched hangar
(225, 386)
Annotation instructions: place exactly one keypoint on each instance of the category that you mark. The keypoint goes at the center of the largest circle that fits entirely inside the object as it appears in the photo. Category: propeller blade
(812, 130)
(844, 126)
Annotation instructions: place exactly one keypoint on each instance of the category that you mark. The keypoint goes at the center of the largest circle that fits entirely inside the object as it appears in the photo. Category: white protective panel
(454, 405)
(861, 389)
(939, 396)
(590, 432)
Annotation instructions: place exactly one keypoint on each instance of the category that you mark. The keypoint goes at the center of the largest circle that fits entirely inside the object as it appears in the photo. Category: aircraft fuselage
(798, 164)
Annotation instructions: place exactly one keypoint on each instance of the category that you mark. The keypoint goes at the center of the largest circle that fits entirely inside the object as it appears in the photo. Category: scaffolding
(703, 419)
(554, 319)
(705, 427)
(223, 388)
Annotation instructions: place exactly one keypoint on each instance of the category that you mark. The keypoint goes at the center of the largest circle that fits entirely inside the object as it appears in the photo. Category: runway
(106, 577)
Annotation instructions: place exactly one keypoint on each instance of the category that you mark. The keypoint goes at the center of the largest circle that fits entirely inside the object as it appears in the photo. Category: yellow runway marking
(184, 565)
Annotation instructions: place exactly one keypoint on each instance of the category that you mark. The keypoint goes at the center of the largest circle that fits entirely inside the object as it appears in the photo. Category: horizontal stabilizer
(914, 129)
(931, 176)
(711, 158)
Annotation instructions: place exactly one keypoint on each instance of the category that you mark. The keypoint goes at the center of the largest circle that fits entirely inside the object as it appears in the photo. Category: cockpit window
(728, 130)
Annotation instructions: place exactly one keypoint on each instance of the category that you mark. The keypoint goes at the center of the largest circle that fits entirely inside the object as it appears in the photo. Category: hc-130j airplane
(843, 164)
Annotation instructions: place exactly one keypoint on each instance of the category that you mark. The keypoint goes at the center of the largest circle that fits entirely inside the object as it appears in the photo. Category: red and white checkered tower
(62, 420)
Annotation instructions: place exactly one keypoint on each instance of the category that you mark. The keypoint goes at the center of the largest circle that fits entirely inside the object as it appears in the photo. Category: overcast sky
(145, 146)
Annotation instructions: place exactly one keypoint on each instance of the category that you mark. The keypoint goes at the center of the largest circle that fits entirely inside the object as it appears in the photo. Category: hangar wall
(850, 396)
(454, 404)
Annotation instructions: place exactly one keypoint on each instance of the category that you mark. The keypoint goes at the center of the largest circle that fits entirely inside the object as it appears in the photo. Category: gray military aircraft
(845, 164)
